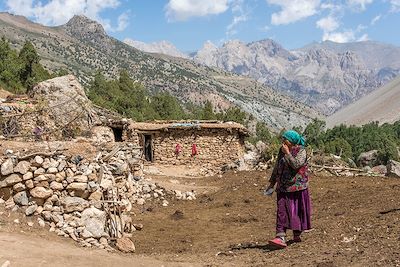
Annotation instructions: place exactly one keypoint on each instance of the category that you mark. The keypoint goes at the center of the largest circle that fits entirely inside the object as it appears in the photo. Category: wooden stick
(44, 154)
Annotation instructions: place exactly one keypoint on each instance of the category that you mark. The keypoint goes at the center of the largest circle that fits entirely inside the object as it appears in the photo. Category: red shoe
(278, 242)
(296, 239)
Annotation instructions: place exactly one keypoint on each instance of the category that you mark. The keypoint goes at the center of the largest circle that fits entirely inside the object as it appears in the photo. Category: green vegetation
(350, 141)
(19, 71)
(132, 100)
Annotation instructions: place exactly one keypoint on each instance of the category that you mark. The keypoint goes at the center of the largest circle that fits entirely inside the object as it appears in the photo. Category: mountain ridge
(85, 48)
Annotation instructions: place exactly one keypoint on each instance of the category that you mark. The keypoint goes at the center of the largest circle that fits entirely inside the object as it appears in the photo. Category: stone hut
(182, 142)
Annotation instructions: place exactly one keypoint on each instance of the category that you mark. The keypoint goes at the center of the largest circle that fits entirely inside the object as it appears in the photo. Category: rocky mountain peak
(81, 25)
(350, 61)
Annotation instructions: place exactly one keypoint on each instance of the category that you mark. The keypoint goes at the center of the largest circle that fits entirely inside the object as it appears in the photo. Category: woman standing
(290, 175)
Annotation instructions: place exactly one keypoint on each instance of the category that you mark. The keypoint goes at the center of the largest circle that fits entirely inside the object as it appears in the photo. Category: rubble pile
(87, 200)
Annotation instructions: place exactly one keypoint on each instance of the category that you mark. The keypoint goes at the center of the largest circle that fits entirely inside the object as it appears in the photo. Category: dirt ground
(356, 222)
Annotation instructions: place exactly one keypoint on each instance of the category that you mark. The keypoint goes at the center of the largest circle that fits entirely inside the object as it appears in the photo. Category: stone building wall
(215, 147)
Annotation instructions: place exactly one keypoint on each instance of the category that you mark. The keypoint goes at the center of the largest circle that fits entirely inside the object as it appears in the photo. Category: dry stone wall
(88, 200)
(215, 147)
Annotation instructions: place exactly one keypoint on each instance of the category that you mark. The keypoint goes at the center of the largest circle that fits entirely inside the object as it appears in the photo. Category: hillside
(382, 105)
(83, 47)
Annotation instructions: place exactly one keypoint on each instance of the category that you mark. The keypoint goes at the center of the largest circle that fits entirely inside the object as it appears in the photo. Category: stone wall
(216, 147)
(72, 195)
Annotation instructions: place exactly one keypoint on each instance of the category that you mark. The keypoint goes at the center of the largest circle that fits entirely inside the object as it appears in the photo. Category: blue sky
(189, 23)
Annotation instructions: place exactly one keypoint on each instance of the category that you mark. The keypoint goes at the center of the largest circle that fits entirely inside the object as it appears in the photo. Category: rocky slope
(382, 105)
(83, 47)
(326, 76)
(163, 47)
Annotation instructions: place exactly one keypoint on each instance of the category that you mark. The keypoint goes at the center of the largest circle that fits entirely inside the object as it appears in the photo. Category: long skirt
(293, 211)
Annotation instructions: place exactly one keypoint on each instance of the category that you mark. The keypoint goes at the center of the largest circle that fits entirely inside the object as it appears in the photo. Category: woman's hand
(285, 149)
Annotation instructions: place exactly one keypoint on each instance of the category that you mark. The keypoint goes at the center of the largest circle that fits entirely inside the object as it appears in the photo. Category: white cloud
(395, 5)
(375, 19)
(56, 12)
(328, 24)
(364, 37)
(240, 15)
(339, 37)
(293, 10)
(181, 10)
(360, 4)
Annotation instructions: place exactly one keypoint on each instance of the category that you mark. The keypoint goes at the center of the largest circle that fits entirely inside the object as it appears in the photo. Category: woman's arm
(299, 160)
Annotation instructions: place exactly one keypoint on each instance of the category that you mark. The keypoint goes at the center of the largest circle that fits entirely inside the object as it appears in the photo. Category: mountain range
(326, 76)
(82, 47)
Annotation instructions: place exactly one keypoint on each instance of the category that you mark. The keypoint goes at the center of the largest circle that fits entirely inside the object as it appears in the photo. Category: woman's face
(286, 142)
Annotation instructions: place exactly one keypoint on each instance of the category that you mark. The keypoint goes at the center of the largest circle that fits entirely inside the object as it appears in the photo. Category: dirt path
(23, 249)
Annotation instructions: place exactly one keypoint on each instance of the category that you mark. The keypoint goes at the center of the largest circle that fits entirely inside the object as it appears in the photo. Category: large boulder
(67, 98)
(369, 158)
(393, 168)
(94, 221)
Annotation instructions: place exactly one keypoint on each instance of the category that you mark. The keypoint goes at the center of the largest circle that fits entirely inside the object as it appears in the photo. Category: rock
(22, 167)
(261, 147)
(126, 245)
(41, 192)
(52, 170)
(94, 221)
(56, 186)
(30, 210)
(95, 195)
(7, 167)
(6, 264)
(380, 169)
(29, 184)
(16, 221)
(10, 203)
(13, 179)
(38, 160)
(30, 224)
(39, 171)
(77, 186)
(41, 222)
(27, 176)
(19, 187)
(369, 158)
(103, 241)
(86, 234)
(72, 204)
(81, 178)
(21, 198)
(393, 168)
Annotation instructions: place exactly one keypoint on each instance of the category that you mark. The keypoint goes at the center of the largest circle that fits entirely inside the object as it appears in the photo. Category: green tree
(208, 111)
(28, 58)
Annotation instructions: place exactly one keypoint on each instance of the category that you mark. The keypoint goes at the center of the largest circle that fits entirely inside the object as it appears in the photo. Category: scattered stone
(126, 245)
(16, 221)
(30, 224)
(31, 210)
(41, 222)
(19, 187)
(38, 160)
(21, 198)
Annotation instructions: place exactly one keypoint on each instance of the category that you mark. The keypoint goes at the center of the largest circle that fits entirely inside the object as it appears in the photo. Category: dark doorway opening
(117, 134)
(148, 147)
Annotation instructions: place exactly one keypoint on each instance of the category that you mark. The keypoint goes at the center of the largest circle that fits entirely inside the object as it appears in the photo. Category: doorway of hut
(148, 147)
(117, 134)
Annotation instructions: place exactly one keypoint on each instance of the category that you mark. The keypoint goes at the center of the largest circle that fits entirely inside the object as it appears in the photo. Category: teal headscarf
(294, 138)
